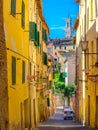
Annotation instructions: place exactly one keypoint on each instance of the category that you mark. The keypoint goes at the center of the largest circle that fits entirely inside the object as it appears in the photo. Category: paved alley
(59, 123)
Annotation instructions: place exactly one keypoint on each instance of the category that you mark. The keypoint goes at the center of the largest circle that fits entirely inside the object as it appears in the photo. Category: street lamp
(84, 45)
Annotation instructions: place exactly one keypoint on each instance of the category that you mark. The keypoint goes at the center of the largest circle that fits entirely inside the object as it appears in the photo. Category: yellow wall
(17, 46)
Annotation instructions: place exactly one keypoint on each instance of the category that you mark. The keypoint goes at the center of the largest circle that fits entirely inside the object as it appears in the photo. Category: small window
(13, 70)
(13, 7)
(65, 48)
(23, 71)
(48, 49)
(60, 47)
(55, 53)
(55, 59)
(54, 47)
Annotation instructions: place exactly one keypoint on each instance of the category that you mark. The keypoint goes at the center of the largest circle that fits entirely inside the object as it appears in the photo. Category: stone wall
(3, 76)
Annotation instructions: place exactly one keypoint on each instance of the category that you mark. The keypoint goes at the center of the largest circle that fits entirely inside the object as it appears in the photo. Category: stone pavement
(58, 123)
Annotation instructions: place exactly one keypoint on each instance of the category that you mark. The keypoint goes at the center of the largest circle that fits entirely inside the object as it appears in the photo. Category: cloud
(58, 28)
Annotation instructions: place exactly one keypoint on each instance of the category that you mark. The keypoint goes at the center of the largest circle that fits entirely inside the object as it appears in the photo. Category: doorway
(34, 111)
(96, 112)
(88, 110)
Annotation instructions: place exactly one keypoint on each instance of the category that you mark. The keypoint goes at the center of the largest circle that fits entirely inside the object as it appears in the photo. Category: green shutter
(45, 37)
(48, 102)
(44, 58)
(13, 70)
(23, 71)
(23, 15)
(38, 38)
(65, 74)
(36, 43)
(32, 31)
(13, 7)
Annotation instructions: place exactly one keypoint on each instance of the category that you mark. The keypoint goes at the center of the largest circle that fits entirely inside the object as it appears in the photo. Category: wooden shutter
(13, 7)
(37, 38)
(44, 58)
(13, 70)
(23, 14)
(23, 71)
(32, 31)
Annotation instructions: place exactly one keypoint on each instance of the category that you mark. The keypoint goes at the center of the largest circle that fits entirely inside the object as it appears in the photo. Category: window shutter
(13, 7)
(32, 32)
(38, 38)
(13, 70)
(23, 71)
(44, 58)
(48, 102)
(45, 37)
(23, 14)
(65, 74)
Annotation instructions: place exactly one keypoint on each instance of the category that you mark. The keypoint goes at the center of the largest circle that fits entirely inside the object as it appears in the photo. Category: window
(23, 71)
(65, 47)
(48, 102)
(55, 53)
(60, 47)
(73, 46)
(13, 7)
(48, 49)
(55, 47)
(33, 31)
(23, 15)
(55, 59)
(13, 70)
(44, 58)
(44, 34)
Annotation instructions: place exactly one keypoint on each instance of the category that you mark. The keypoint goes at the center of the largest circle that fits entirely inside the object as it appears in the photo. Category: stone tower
(68, 29)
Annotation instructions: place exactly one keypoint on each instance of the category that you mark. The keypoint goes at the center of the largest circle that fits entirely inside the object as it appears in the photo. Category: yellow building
(87, 32)
(15, 24)
(21, 59)
(38, 61)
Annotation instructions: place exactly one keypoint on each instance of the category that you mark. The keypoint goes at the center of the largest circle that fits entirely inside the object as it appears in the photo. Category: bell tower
(68, 29)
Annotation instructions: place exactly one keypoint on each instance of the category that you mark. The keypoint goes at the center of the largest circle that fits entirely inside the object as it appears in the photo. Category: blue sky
(55, 13)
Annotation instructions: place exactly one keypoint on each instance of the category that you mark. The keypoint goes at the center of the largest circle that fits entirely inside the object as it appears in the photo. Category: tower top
(68, 28)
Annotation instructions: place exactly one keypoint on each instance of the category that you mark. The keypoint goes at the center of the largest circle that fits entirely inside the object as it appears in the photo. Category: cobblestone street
(58, 123)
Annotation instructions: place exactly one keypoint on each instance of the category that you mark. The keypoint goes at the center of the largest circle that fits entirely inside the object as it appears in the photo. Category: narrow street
(58, 123)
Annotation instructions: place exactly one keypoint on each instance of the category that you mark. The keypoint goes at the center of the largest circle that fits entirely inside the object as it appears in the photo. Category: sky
(55, 13)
